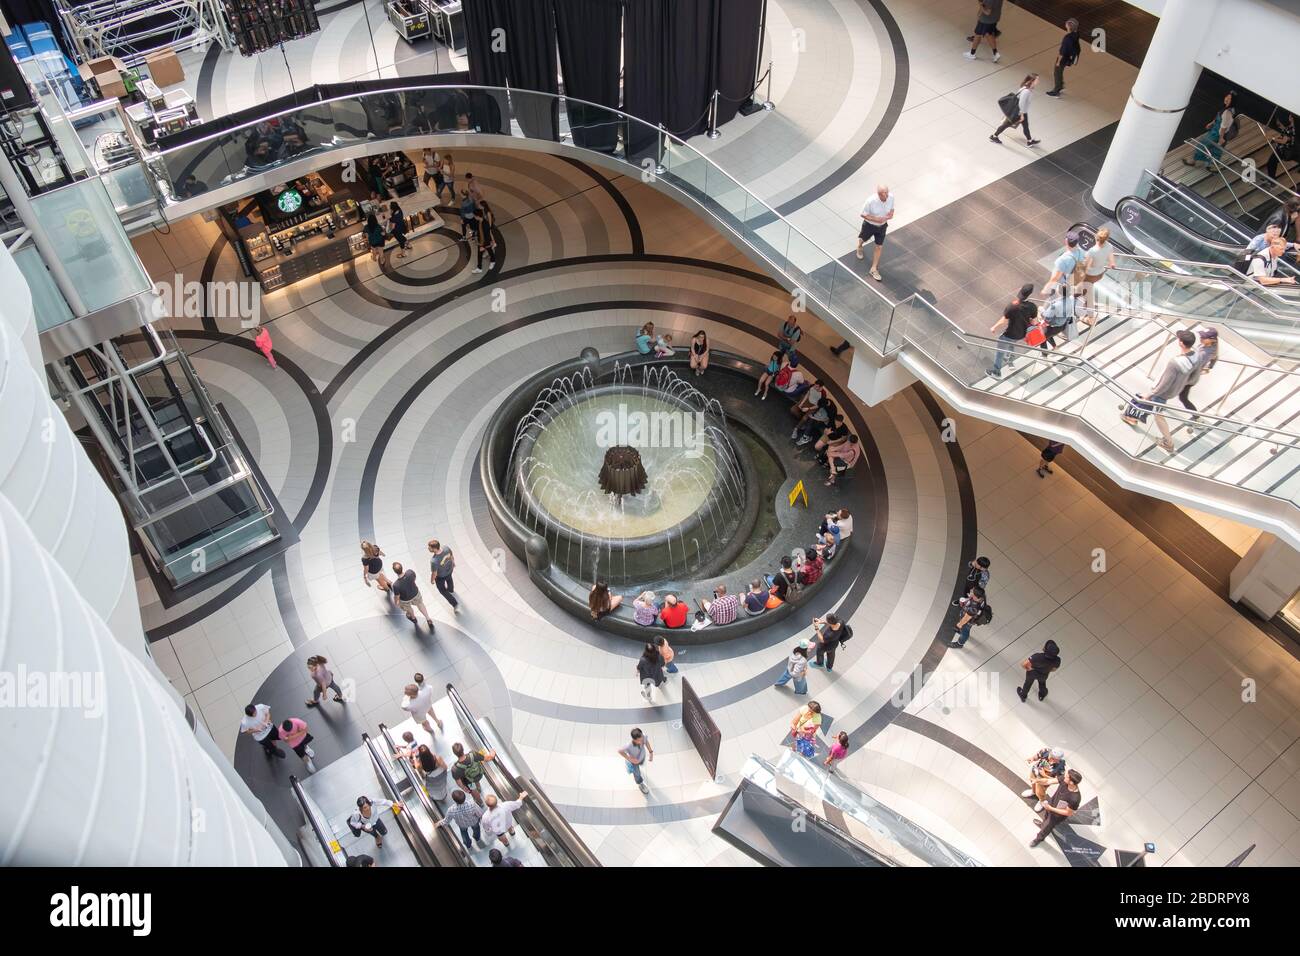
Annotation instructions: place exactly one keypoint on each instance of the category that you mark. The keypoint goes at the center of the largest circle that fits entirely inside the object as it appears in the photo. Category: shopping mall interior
(594, 431)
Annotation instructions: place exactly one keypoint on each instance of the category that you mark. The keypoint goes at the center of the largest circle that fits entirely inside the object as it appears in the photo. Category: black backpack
(847, 633)
(986, 615)
(1010, 104)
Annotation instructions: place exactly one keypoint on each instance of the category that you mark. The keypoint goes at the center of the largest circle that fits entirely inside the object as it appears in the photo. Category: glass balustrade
(1066, 384)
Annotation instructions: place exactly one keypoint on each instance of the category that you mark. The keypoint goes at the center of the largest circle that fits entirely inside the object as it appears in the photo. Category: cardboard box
(106, 72)
(164, 68)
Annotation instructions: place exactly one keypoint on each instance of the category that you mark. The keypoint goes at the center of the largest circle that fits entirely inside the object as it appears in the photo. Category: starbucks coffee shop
(308, 225)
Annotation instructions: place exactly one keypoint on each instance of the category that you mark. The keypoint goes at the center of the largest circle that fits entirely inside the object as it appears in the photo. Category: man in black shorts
(875, 220)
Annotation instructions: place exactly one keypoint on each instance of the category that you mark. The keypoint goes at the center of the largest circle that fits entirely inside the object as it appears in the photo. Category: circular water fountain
(631, 476)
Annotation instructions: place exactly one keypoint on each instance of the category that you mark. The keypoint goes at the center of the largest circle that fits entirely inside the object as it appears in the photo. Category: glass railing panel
(96, 254)
(47, 301)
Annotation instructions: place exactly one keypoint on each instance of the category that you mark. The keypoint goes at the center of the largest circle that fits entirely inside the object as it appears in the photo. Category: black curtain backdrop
(524, 57)
(689, 80)
(645, 64)
(590, 39)
(737, 53)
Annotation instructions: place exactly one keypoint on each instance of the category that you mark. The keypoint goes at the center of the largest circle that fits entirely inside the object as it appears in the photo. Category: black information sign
(704, 733)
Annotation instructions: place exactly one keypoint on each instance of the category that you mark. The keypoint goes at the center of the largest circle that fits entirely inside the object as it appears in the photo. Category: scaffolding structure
(132, 29)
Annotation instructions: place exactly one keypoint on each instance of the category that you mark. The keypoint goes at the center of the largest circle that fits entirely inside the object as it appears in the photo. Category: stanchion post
(713, 117)
(660, 168)
(768, 105)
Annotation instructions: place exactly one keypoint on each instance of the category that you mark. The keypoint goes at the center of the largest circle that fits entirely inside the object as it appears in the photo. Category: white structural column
(100, 766)
(1158, 99)
(1268, 576)
(47, 477)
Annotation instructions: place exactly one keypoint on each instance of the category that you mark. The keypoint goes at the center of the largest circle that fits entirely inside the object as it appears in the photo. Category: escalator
(551, 840)
(327, 798)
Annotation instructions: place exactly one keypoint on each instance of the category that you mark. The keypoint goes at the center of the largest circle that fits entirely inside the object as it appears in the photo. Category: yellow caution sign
(334, 847)
(797, 492)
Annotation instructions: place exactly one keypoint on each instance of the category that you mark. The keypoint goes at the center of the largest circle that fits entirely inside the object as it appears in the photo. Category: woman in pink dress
(263, 343)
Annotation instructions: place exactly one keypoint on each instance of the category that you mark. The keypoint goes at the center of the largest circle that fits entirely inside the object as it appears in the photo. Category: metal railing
(269, 149)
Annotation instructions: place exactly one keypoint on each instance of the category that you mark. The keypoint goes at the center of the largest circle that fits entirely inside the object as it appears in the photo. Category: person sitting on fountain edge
(674, 612)
(810, 572)
(756, 599)
(646, 609)
(601, 601)
(723, 608)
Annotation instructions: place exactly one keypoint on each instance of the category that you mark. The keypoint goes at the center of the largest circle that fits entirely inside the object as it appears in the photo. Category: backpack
(1230, 133)
(783, 377)
(1010, 104)
(986, 615)
(844, 638)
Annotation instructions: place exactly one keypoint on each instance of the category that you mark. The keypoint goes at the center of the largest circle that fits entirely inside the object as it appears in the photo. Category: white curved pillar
(1158, 99)
(100, 767)
(46, 475)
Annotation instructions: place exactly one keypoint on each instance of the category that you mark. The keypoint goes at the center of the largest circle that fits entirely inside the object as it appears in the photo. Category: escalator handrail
(565, 835)
(326, 844)
(455, 846)
(414, 835)
(1194, 202)
(1226, 247)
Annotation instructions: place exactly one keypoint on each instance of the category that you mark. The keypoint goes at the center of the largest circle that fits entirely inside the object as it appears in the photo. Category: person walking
(1067, 266)
(372, 565)
(1012, 328)
(1207, 353)
(803, 729)
(468, 216)
(447, 169)
(497, 858)
(1063, 804)
(262, 341)
(666, 655)
(498, 818)
(649, 671)
(296, 737)
(368, 818)
(1177, 373)
(839, 750)
(1037, 668)
(397, 228)
(796, 669)
(473, 187)
(1047, 767)
(485, 227)
(829, 635)
(407, 594)
(1067, 54)
(1217, 133)
(972, 613)
(417, 701)
(1097, 260)
(986, 29)
(1016, 109)
(977, 573)
(257, 723)
(876, 214)
(468, 770)
(1281, 144)
(467, 817)
(441, 565)
(375, 239)
(322, 680)
(432, 173)
(1050, 451)
(636, 754)
(430, 766)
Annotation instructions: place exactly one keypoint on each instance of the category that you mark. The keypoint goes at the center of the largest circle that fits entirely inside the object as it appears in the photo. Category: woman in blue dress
(1216, 135)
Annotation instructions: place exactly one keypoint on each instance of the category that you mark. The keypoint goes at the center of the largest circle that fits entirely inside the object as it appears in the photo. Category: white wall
(1256, 44)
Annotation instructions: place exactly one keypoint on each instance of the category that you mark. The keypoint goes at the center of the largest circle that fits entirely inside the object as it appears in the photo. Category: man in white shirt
(1263, 265)
(498, 817)
(418, 702)
(875, 220)
(257, 723)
